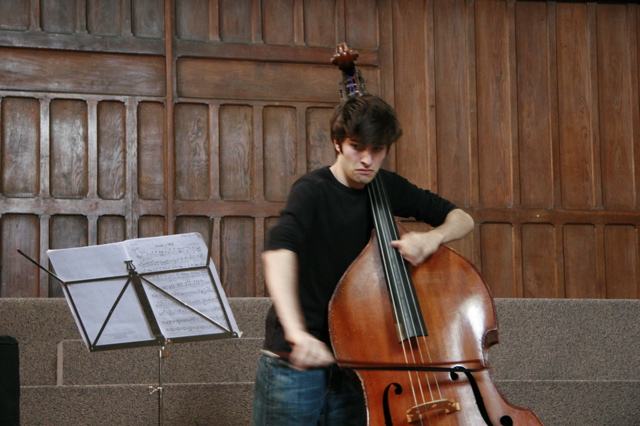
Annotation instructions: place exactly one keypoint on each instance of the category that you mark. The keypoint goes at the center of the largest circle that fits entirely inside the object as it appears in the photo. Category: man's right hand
(308, 352)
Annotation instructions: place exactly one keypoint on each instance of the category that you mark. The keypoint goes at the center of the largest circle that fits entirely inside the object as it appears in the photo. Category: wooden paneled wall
(132, 118)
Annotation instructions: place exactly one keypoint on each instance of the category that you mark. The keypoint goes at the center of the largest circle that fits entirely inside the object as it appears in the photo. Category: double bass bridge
(419, 412)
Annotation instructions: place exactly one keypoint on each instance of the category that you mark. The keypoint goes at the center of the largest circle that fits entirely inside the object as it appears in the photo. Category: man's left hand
(416, 247)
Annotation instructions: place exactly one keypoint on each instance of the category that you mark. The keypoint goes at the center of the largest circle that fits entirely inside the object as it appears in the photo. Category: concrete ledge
(228, 360)
(573, 362)
(222, 361)
(566, 339)
(38, 360)
(37, 319)
(87, 405)
(577, 402)
(557, 403)
(202, 404)
(45, 329)
(250, 313)
(51, 319)
(228, 404)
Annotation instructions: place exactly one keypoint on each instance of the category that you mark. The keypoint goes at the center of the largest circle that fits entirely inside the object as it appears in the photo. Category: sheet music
(96, 275)
(95, 299)
(166, 253)
(89, 263)
(194, 288)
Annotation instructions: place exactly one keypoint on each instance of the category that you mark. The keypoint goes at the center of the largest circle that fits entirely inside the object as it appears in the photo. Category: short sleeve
(296, 218)
(408, 200)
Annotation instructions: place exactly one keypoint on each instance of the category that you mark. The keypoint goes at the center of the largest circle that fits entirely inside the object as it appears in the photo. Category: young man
(323, 228)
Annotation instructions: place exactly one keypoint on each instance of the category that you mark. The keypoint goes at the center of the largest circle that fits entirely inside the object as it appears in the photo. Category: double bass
(417, 337)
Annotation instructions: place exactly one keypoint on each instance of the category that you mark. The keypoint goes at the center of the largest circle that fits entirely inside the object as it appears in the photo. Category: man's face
(357, 163)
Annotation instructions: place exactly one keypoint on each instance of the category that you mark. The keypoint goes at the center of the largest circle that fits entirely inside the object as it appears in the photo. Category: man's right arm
(281, 277)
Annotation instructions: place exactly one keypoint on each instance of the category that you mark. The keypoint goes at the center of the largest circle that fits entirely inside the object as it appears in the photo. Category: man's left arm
(416, 247)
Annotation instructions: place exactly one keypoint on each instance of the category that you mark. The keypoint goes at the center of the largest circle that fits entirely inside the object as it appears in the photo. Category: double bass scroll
(352, 83)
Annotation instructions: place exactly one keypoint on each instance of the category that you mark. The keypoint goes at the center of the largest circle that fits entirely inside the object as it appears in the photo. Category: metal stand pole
(159, 388)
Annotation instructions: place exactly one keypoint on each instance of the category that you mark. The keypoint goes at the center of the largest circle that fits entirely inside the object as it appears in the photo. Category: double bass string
(385, 235)
(400, 286)
(387, 232)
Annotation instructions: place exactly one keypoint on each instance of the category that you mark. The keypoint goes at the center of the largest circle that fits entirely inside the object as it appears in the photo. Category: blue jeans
(321, 396)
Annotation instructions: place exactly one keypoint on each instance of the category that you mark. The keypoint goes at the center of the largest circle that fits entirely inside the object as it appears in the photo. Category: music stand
(144, 292)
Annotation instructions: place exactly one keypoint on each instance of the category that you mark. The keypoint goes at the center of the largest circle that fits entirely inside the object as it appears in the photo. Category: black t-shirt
(327, 225)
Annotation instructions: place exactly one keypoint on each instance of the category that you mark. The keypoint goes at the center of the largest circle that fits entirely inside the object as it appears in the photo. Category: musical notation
(192, 288)
(155, 256)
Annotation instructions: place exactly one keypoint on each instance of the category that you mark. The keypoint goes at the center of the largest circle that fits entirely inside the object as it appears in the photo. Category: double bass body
(460, 320)
(442, 315)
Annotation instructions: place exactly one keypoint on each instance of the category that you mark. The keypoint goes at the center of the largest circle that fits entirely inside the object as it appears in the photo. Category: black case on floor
(9, 381)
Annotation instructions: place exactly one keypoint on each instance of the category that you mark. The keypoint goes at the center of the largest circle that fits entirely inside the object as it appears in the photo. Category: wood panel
(236, 152)
(498, 269)
(535, 105)
(81, 72)
(413, 159)
(111, 229)
(192, 20)
(320, 25)
(237, 265)
(495, 135)
(454, 87)
(66, 231)
(20, 143)
(14, 15)
(320, 151)
(59, 16)
(577, 136)
(192, 152)
(69, 148)
(84, 25)
(201, 225)
(615, 93)
(147, 19)
(237, 19)
(111, 150)
(151, 150)
(151, 226)
(539, 266)
(621, 262)
(581, 274)
(200, 78)
(280, 151)
(278, 22)
(361, 24)
(248, 23)
(104, 17)
(19, 232)
(118, 124)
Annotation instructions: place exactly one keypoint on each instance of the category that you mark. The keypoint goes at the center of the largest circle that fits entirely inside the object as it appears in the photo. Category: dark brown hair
(369, 118)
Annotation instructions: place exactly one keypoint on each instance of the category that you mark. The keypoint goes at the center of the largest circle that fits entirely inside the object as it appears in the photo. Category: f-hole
(385, 402)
